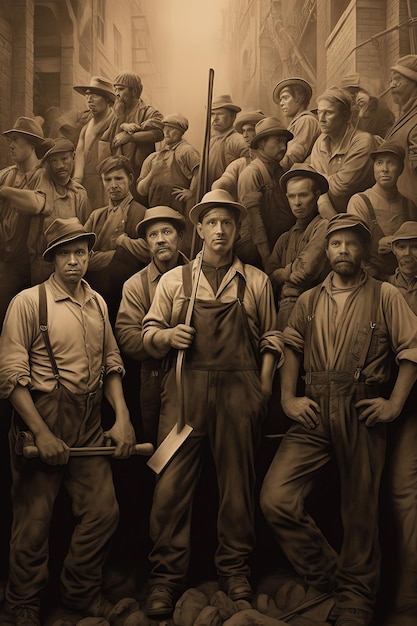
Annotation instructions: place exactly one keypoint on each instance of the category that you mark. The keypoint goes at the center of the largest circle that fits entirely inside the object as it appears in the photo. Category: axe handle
(146, 449)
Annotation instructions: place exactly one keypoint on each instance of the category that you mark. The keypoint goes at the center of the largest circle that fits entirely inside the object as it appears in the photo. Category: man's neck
(99, 117)
(387, 193)
(336, 138)
(217, 260)
(75, 290)
(341, 281)
(165, 266)
(28, 164)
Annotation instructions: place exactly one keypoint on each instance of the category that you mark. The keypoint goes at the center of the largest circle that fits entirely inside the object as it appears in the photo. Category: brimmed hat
(97, 85)
(224, 102)
(247, 117)
(270, 126)
(53, 146)
(216, 198)
(160, 214)
(407, 66)
(343, 221)
(336, 93)
(286, 82)
(392, 148)
(304, 170)
(407, 230)
(114, 163)
(26, 126)
(64, 230)
(176, 120)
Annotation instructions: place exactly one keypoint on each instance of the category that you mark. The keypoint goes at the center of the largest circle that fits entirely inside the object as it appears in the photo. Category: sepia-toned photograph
(208, 312)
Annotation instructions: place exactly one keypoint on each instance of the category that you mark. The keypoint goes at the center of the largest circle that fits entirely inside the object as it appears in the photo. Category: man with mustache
(344, 333)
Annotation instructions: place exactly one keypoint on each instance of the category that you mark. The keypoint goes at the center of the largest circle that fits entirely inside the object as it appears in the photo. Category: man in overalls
(232, 351)
(58, 355)
(343, 330)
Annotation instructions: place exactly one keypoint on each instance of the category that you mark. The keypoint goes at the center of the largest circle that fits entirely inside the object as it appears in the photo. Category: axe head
(166, 450)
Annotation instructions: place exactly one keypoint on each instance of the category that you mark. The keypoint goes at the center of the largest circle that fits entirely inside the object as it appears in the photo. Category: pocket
(358, 341)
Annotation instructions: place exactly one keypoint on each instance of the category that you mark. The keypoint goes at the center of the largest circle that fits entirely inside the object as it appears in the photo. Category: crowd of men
(307, 265)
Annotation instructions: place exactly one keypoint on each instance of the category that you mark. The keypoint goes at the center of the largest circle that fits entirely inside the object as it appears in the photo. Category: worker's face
(218, 229)
(123, 94)
(362, 98)
(248, 132)
(96, 103)
(117, 184)
(20, 149)
(60, 166)
(163, 241)
(172, 135)
(289, 105)
(405, 251)
(387, 170)
(302, 198)
(332, 120)
(71, 261)
(345, 252)
(274, 146)
(222, 119)
(402, 88)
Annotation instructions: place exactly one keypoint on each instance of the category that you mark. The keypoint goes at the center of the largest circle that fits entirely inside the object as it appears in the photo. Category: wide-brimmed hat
(97, 85)
(26, 126)
(176, 120)
(53, 146)
(391, 148)
(247, 117)
(160, 214)
(304, 170)
(216, 198)
(407, 230)
(286, 82)
(407, 66)
(224, 102)
(65, 230)
(270, 126)
(343, 221)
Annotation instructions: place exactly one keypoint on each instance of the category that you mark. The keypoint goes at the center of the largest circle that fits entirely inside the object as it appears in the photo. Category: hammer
(25, 445)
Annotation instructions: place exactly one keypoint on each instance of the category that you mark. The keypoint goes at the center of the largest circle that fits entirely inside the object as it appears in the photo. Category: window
(100, 19)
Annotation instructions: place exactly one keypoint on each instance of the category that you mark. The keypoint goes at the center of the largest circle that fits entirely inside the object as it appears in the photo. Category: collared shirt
(348, 167)
(225, 148)
(80, 334)
(335, 346)
(305, 128)
(408, 288)
(167, 305)
(113, 226)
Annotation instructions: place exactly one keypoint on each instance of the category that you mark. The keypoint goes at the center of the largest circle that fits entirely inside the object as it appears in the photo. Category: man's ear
(200, 230)
(131, 178)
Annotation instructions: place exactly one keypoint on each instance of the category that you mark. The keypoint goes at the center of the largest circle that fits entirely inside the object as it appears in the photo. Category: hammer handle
(146, 449)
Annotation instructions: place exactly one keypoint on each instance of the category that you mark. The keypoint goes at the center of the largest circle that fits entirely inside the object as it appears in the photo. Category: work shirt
(305, 128)
(225, 148)
(77, 331)
(336, 346)
(348, 168)
(404, 133)
(168, 304)
(408, 288)
(230, 177)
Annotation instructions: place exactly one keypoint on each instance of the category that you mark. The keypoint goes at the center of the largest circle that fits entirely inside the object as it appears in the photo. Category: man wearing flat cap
(58, 357)
(226, 144)
(118, 253)
(231, 352)
(382, 207)
(269, 214)
(293, 95)
(403, 87)
(136, 126)
(100, 98)
(344, 333)
(25, 135)
(170, 176)
(341, 153)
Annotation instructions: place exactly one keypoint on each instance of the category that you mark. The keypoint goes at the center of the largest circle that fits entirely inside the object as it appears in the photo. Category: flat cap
(53, 146)
(114, 163)
(390, 147)
(176, 120)
(407, 230)
(160, 214)
(407, 66)
(343, 221)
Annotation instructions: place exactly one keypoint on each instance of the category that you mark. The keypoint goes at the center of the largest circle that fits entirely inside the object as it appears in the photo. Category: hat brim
(145, 223)
(267, 133)
(374, 155)
(101, 92)
(287, 82)
(226, 105)
(319, 178)
(23, 132)
(198, 209)
(48, 254)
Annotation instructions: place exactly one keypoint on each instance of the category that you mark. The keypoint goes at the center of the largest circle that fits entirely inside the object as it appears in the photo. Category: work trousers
(353, 575)
(229, 407)
(150, 401)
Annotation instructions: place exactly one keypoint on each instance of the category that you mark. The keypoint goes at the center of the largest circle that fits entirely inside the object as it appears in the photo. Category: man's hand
(52, 450)
(302, 410)
(123, 435)
(376, 411)
(181, 193)
(121, 138)
(181, 336)
(130, 127)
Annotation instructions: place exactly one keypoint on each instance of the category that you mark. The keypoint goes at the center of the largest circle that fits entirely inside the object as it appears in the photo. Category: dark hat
(129, 79)
(338, 94)
(407, 230)
(216, 198)
(392, 148)
(343, 221)
(160, 214)
(286, 82)
(97, 85)
(304, 170)
(26, 126)
(407, 66)
(247, 117)
(224, 102)
(65, 230)
(114, 163)
(176, 120)
(53, 146)
(270, 126)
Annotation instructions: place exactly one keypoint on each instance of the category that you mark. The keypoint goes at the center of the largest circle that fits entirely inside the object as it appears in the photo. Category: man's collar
(60, 294)
(123, 204)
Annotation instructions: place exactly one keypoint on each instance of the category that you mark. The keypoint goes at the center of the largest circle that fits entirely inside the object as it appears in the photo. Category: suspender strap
(187, 279)
(43, 327)
(145, 286)
(369, 207)
(367, 344)
(312, 303)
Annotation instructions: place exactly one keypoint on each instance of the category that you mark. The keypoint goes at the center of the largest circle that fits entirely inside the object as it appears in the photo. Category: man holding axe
(220, 315)
(58, 355)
